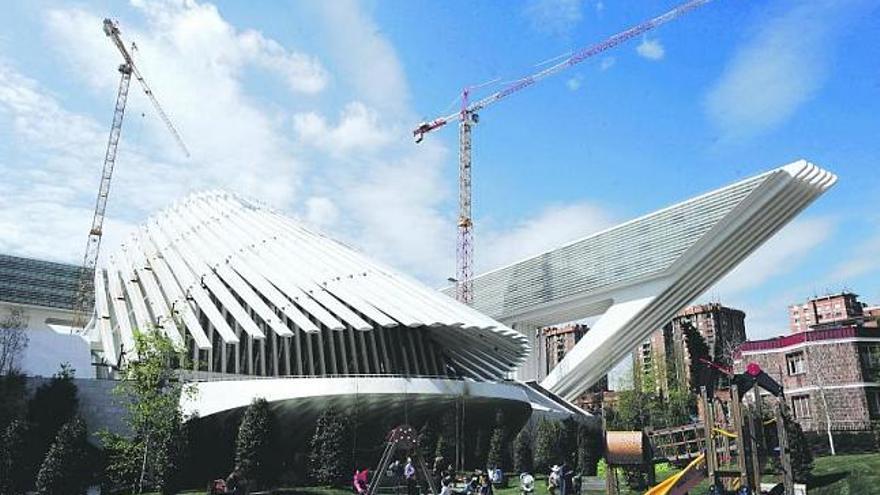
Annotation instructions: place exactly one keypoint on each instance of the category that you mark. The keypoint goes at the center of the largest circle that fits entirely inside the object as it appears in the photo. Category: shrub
(253, 448)
(522, 452)
(14, 475)
(65, 469)
(328, 459)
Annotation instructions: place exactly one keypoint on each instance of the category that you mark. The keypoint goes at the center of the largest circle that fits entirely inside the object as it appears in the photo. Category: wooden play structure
(728, 447)
(406, 439)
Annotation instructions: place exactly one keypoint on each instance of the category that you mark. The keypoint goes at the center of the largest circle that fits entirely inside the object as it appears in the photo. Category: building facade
(664, 359)
(830, 376)
(40, 294)
(634, 277)
(829, 311)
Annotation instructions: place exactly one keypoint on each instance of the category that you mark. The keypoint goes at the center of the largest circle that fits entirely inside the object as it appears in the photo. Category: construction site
(231, 342)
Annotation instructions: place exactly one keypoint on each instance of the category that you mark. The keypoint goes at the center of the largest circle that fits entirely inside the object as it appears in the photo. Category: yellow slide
(683, 480)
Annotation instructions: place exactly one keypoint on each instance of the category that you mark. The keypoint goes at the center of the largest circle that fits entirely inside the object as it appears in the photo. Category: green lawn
(856, 474)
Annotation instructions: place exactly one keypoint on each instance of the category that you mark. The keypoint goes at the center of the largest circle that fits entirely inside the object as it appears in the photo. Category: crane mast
(468, 116)
(85, 294)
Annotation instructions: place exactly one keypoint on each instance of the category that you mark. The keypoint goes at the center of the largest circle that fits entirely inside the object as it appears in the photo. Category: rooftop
(37, 282)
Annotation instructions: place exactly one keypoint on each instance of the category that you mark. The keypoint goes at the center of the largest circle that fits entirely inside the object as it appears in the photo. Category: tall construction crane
(467, 117)
(85, 293)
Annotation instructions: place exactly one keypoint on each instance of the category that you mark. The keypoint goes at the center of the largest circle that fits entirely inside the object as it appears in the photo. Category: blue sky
(308, 106)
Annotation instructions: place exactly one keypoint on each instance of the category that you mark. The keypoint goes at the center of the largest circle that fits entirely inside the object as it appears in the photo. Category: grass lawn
(854, 474)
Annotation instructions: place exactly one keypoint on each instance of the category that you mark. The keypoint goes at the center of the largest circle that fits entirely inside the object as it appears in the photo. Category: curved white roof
(251, 291)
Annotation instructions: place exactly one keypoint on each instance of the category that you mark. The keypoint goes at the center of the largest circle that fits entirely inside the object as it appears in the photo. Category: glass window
(800, 406)
(796, 363)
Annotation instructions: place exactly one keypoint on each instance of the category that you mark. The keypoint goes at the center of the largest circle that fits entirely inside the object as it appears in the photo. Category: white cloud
(776, 71)
(574, 83)
(359, 129)
(607, 63)
(557, 17)
(366, 60)
(782, 254)
(321, 212)
(651, 49)
(549, 229)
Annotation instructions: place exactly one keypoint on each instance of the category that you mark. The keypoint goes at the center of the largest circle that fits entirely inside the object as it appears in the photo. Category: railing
(209, 376)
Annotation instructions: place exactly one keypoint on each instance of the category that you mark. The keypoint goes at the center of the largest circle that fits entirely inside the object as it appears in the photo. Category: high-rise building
(831, 310)
(557, 341)
(664, 355)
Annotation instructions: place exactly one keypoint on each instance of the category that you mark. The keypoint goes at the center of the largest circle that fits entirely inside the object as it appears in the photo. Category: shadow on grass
(819, 481)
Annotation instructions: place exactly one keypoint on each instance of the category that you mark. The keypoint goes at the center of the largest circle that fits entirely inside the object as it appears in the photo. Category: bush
(14, 475)
(801, 455)
(329, 459)
(53, 404)
(254, 454)
(499, 451)
(523, 461)
(65, 469)
(548, 443)
(589, 450)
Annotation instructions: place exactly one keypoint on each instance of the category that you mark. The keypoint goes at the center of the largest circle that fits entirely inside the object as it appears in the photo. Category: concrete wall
(51, 343)
(98, 406)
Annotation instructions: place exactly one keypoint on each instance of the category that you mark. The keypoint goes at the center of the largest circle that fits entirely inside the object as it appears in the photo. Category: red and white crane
(85, 294)
(467, 117)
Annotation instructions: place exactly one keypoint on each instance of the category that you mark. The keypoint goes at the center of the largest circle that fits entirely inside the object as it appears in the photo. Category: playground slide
(682, 481)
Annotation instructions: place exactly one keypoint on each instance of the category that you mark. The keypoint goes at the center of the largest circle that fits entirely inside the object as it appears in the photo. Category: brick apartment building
(665, 352)
(555, 343)
(839, 367)
(831, 311)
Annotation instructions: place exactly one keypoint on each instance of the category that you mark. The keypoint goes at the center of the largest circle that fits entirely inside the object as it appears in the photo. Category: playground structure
(405, 438)
(728, 447)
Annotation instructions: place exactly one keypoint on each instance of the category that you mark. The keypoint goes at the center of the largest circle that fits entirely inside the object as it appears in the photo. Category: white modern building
(266, 307)
(41, 294)
(634, 277)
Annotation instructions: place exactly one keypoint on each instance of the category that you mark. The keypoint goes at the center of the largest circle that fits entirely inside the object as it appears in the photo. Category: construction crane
(467, 116)
(84, 299)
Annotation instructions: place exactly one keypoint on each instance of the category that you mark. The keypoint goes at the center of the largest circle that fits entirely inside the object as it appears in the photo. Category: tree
(65, 469)
(13, 401)
(13, 340)
(151, 391)
(328, 459)
(697, 350)
(254, 453)
(14, 474)
(499, 451)
(53, 405)
(523, 461)
(568, 442)
(446, 438)
(589, 450)
(547, 445)
(799, 446)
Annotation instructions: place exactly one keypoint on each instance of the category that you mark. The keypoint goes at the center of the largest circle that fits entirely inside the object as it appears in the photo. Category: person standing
(409, 472)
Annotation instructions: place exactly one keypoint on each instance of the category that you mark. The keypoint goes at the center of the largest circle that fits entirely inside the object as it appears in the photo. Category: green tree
(254, 453)
(499, 450)
(446, 438)
(589, 450)
(568, 442)
(14, 473)
(329, 457)
(13, 402)
(548, 449)
(697, 350)
(53, 405)
(65, 470)
(523, 461)
(151, 392)
(799, 447)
